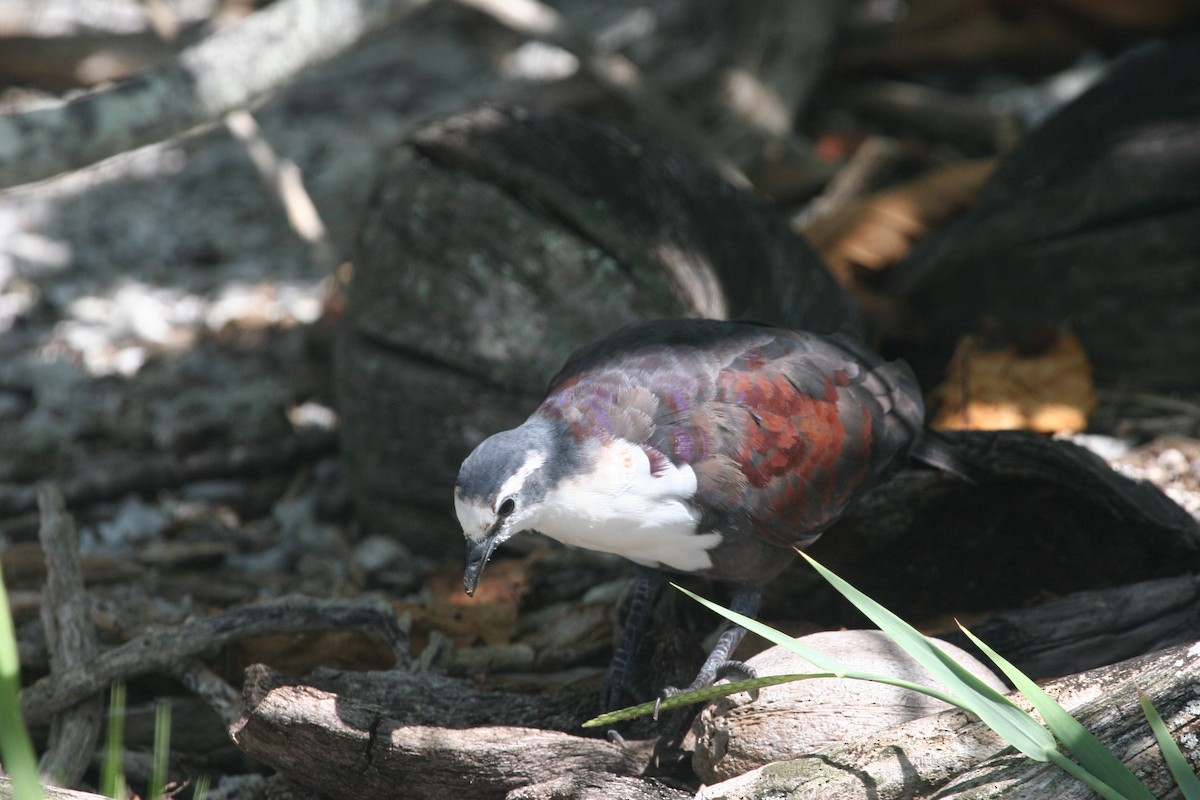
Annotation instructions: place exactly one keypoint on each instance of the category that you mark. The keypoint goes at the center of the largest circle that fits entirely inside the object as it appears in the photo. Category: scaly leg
(718, 662)
(619, 681)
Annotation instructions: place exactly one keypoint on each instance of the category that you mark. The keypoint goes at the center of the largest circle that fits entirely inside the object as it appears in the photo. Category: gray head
(502, 483)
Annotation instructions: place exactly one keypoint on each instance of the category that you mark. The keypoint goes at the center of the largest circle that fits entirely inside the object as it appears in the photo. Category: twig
(853, 181)
(284, 180)
(210, 687)
(225, 71)
(172, 650)
(71, 640)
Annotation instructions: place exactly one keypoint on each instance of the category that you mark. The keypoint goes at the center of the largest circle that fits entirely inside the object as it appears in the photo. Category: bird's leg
(618, 682)
(718, 662)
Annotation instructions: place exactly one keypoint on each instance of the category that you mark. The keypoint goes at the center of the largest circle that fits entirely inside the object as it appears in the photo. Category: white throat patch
(620, 506)
(475, 518)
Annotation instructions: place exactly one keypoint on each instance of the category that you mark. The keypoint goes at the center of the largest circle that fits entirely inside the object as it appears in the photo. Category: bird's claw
(616, 738)
(666, 694)
(704, 680)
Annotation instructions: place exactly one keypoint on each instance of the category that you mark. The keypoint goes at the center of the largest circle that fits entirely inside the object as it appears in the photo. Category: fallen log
(343, 747)
(952, 755)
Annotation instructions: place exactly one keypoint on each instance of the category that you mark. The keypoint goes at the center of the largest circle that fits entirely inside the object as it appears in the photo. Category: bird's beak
(478, 554)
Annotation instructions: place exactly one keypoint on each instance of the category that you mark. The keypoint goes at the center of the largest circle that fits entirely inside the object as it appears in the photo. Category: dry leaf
(466, 625)
(880, 230)
(1004, 389)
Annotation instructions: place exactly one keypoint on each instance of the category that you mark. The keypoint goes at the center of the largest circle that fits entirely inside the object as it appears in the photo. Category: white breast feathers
(620, 506)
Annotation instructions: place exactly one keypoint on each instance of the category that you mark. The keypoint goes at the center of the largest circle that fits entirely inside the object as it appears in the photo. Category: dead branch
(228, 70)
(167, 650)
(938, 755)
(342, 747)
(71, 639)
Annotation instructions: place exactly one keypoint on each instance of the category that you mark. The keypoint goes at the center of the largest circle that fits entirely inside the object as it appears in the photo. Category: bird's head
(502, 484)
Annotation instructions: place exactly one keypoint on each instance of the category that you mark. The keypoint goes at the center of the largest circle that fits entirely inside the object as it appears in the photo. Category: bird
(694, 446)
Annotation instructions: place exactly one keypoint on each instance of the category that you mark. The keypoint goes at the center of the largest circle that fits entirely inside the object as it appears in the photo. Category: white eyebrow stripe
(533, 461)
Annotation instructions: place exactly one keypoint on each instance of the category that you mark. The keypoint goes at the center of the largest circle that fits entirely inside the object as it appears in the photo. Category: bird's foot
(707, 677)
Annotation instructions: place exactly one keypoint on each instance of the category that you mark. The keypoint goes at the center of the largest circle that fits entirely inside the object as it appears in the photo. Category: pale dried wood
(342, 747)
(223, 72)
(591, 785)
(738, 733)
(917, 759)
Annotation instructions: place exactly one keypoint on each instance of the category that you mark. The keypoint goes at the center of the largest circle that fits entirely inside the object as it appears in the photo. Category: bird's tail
(931, 448)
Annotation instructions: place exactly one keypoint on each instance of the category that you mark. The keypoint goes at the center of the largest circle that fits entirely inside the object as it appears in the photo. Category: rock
(736, 734)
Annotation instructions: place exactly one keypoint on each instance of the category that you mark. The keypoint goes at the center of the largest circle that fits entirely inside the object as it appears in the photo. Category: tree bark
(950, 755)
(344, 748)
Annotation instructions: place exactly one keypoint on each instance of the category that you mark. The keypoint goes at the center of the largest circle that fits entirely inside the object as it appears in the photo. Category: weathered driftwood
(1090, 221)
(344, 747)
(428, 698)
(498, 243)
(950, 755)
(591, 785)
(735, 734)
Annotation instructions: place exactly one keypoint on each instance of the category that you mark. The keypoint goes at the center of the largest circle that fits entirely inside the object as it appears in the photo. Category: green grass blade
(726, 689)
(16, 749)
(809, 654)
(698, 696)
(1083, 776)
(1094, 757)
(1014, 725)
(162, 750)
(112, 774)
(1181, 771)
(200, 791)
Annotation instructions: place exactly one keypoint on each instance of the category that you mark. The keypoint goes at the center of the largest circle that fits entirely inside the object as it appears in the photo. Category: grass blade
(162, 750)
(994, 709)
(1083, 776)
(698, 696)
(112, 773)
(1092, 755)
(809, 654)
(816, 657)
(1181, 771)
(16, 749)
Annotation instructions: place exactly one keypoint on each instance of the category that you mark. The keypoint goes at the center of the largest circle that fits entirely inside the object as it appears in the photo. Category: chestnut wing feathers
(784, 429)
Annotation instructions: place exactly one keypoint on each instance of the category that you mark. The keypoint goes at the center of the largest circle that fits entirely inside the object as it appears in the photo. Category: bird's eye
(507, 507)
